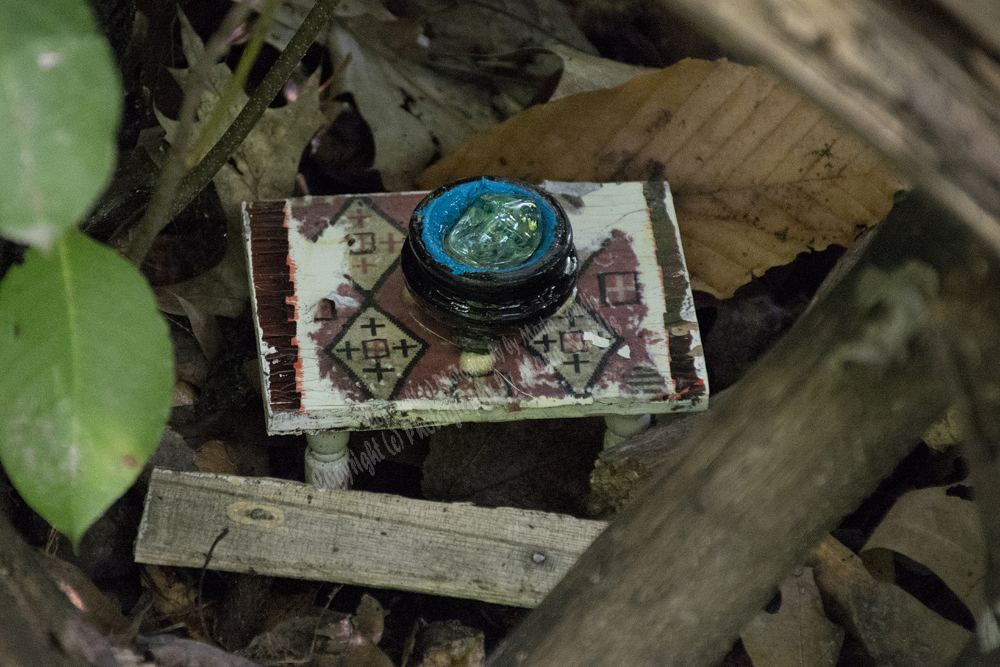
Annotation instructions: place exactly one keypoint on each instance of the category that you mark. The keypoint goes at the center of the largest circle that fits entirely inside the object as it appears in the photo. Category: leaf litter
(891, 625)
(423, 80)
(798, 633)
(940, 530)
(263, 167)
(758, 173)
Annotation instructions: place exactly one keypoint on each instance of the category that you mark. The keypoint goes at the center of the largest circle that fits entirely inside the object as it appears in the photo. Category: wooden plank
(287, 529)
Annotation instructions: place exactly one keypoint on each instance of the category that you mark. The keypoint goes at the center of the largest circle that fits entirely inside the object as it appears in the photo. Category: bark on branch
(794, 447)
(38, 625)
(826, 414)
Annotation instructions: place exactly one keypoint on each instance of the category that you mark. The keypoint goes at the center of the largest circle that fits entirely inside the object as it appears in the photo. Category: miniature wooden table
(343, 348)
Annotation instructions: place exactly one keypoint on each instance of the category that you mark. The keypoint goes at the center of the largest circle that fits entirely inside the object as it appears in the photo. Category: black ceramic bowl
(480, 306)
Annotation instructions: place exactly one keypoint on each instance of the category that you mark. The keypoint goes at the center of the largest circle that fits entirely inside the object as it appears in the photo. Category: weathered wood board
(287, 529)
(342, 347)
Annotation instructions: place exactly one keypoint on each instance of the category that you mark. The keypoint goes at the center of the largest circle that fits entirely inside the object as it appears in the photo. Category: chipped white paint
(342, 301)
(596, 340)
(687, 305)
(687, 308)
(572, 189)
(330, 250)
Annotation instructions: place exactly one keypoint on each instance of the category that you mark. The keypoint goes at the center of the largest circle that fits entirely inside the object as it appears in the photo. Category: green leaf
(60, 102)
(86, 382)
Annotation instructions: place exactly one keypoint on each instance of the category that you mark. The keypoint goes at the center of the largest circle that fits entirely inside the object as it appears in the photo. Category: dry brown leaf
(799, 634)
(945, 433)
(184, 393)
(583, 72)
(290, 14)
(451, 644)
(417, 82)
(941, 532)
(265, 164)
(364, 654)
(170, 651)
(263, 167)
(894, 627)
(369, 619)
(213, 456)
(222, 290)
(171, 596)
(204, 327)
(332, 640)
(758, 173)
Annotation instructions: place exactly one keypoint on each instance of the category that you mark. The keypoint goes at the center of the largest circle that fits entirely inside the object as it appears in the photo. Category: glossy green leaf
(60, 102)
(86, 382)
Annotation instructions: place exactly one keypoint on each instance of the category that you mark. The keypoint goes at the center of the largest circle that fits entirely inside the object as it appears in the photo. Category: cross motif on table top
(546, 341)
(390, 242)
(362, 243)
(572, 341)
(575, 363)
(364, 265)
(348, 349)
(405, 346)
(378, 369)
(377, 351)
(376, 348)
(373, 326)
(358, 217)
(618, 289)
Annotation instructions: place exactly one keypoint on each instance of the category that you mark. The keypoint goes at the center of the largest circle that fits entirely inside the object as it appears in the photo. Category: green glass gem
(496, 232)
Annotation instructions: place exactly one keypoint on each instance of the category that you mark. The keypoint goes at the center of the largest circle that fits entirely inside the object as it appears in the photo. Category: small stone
(496, 232)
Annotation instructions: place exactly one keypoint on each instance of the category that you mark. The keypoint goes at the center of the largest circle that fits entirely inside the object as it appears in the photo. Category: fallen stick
(796, 445)
(39, 627)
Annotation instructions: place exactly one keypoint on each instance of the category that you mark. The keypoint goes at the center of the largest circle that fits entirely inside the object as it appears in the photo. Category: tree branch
(796, 445)
(199, 177)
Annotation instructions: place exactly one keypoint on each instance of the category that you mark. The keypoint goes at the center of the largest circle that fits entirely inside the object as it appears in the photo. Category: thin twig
(201, 586)
(235, 84)
(199, 177)
(140, 238)
(319, 621)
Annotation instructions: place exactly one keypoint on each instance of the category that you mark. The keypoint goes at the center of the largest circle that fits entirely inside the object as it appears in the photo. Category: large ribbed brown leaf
(759, 174)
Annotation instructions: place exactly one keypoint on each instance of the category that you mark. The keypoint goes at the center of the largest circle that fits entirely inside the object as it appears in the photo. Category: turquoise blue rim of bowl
(443, 212)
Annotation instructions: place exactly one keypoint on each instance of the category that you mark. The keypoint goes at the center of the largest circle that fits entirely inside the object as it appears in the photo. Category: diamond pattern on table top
(575, 345)
(373, 240)
(377, 351)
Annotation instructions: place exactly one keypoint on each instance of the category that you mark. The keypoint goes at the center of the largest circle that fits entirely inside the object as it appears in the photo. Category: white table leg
(623, 426)
(327, 459)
